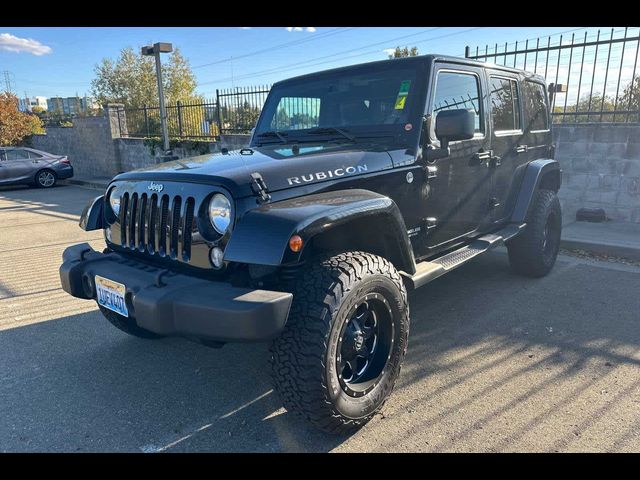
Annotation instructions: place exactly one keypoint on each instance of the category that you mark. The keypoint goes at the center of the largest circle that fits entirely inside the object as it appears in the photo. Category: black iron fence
(240, 107)
(198, 119)
(232, 111)
(599, 71)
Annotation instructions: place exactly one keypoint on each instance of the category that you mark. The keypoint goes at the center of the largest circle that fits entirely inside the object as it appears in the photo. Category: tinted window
(537, 113)
(17, 154)
(295, 113)
(34, 155)
(373, 98)
(455, 91)
(2, 155)
(505, 104)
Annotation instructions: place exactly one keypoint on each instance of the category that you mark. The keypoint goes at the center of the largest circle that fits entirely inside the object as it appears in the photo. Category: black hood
(279, 166)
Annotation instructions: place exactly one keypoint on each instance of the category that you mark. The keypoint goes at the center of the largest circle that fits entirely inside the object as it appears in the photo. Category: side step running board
(430, 270)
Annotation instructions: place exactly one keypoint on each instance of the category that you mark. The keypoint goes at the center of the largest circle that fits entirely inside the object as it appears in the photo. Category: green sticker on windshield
(404, 87)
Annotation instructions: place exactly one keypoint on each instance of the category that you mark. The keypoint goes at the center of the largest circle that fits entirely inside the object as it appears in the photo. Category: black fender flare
(542, 172)
(92, 215)
(262, 235)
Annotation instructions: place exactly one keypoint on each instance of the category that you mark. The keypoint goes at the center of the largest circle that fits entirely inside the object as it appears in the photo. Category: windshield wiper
(273, 133)
(325, 130)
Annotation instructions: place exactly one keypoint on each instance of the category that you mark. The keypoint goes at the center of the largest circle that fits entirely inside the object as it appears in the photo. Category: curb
(614, 250)
(97, 185)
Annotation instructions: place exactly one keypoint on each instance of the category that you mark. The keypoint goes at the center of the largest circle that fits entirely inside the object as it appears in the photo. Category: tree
(404, 52)
(630, 99)
(131, 80)
(37, 109)
(16, 126)
(587, 103)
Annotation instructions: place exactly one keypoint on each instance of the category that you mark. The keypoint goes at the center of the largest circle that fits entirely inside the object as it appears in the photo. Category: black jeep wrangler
(360, 183)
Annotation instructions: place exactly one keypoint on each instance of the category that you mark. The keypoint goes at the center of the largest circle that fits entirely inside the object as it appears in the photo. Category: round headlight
(114, 201)
(220, 213)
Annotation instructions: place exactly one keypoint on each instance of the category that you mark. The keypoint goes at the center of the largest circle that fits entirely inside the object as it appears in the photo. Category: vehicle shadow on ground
(60, 201)
(77, 384)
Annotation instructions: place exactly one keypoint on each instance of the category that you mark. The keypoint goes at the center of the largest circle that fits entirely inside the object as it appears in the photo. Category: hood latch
(259, 188)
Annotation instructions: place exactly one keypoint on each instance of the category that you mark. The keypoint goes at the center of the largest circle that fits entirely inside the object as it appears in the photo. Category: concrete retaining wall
(601, 169)
(95, 150)
(88, 144)
(600, 162)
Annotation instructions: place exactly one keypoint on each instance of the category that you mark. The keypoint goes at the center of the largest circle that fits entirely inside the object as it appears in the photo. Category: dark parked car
(22, 165)
(360, 183)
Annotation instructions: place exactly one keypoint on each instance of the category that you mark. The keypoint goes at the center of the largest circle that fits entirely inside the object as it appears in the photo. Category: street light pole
(156, 50)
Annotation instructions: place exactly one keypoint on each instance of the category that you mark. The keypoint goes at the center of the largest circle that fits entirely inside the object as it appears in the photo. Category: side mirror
(453, 125)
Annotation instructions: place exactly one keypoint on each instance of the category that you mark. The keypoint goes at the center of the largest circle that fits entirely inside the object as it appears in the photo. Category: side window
(34, 155)
(3, 156)
(537, 112)
(505, 104)
(17, 154)
(455, 90)
(294, 113)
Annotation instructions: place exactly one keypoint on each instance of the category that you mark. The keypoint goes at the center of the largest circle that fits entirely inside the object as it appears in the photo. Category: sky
(51, 61)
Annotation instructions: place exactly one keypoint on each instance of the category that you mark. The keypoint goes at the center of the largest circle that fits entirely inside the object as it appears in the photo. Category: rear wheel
(339, 356)
(127, 325)
(533, 253)
(46, 178)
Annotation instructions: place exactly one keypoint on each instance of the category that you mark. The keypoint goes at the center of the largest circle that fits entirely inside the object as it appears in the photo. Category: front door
(458, 198)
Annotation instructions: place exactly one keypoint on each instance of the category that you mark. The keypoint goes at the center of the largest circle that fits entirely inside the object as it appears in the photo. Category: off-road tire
(127, 325)
(529, 253)
(51, 178)
(305, 357)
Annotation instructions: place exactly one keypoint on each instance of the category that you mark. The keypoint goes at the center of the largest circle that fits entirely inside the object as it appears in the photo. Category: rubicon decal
(338, 172)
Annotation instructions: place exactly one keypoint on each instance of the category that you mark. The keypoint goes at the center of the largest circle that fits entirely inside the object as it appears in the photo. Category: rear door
(507, 139)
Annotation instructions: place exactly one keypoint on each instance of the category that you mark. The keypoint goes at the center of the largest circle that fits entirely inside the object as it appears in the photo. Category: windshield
(348, 105)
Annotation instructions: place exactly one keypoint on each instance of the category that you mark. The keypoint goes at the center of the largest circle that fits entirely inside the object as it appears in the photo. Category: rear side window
(537, 116)
(34, 155)
(455, 90)
(505, 104)
(17, 154)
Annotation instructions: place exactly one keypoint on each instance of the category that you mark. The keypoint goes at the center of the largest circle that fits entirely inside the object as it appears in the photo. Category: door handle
(481, 157)
(522, 148)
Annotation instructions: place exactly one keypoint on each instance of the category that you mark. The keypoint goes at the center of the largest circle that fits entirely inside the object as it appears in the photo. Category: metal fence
(240, 107)
(184, 120)
(232, 111)
(600, 72)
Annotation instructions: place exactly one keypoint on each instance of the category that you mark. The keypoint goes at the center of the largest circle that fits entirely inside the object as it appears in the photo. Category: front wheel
(533, 253)
(339, 356)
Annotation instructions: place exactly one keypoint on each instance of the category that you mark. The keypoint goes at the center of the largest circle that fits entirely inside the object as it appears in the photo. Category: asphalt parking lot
(496, 362)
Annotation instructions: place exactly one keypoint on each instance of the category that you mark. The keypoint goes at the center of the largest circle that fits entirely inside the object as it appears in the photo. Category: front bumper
(168, 303)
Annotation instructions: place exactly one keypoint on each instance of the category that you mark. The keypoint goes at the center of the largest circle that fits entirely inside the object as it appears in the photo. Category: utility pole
(155, 51)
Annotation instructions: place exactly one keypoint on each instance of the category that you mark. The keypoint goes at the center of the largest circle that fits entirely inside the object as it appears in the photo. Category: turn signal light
(295, 243)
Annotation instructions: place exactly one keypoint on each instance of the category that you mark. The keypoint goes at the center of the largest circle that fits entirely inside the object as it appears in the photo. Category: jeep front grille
(157, 224)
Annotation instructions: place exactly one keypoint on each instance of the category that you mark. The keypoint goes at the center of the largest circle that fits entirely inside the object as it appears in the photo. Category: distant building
(26, 104)
(70, 105)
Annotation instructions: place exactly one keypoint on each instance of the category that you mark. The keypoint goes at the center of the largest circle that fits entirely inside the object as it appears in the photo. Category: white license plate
(111, 295)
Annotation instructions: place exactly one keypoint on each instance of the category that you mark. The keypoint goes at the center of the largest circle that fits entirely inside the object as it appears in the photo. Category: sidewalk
(618, 239)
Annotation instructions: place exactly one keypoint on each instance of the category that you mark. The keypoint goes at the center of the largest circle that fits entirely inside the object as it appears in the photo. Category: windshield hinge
(259, 188)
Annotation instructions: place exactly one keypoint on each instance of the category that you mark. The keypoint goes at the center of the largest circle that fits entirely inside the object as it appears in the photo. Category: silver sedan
(22, 165)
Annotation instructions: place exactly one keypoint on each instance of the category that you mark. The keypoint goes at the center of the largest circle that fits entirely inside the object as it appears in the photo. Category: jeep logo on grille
(155, 187)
